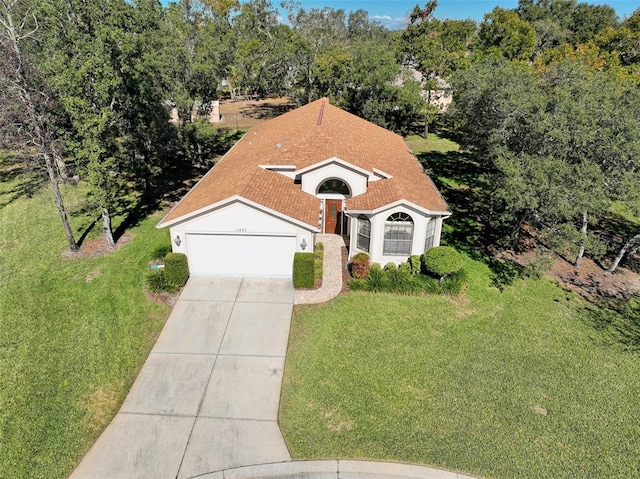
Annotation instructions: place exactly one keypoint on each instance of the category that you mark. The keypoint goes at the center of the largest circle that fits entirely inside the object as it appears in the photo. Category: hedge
(303, 270)
(176, 269)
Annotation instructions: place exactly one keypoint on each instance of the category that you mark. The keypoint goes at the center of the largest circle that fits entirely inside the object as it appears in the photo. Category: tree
(320, 30)
(257, 68)
(28, 114)
(630, 247)
(551, 19)
(624, 42)
(434, 48)
(562, 146)
(504, 31)
(100, 64)
(197, 50)
(588, 20)
(442, 261)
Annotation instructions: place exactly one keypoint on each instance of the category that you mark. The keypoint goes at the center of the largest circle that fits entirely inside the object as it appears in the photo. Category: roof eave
(240, 199)
(398, 203)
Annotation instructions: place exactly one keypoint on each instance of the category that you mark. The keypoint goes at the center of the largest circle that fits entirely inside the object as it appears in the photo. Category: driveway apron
(207, 397)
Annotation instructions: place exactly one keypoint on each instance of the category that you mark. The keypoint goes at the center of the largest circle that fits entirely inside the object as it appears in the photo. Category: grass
(318, 260)
(73, 332)
(461, 383)
(456, 383)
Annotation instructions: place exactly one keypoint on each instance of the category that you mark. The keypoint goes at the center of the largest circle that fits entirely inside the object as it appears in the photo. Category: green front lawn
(73, 332)
(461, 384)
(465, 383)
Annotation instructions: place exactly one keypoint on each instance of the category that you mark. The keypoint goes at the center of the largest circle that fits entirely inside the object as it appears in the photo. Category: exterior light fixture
(177, 240)
(303, 245)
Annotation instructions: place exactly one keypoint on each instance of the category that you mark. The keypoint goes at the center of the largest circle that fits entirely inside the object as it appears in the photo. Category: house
(441, 97)
(314, 170)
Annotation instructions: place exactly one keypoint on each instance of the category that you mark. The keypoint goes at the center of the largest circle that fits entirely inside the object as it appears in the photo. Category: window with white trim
(398, 235)
(431, 234)
(364, 233)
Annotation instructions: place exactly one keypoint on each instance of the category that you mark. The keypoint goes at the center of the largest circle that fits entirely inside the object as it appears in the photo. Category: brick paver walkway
(331, 274)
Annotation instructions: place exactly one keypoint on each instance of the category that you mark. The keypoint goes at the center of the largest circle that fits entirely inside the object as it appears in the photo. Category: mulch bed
(97, 247)
(589, 279)
(346, 277)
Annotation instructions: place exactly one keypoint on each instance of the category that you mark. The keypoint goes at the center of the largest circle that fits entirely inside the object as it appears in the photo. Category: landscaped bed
(524, 382)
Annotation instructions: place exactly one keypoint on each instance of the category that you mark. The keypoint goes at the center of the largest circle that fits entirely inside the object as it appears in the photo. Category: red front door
(333, 217)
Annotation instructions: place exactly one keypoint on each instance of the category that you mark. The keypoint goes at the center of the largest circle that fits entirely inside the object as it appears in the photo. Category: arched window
(398, 235)
(334, 186)
(364, 233)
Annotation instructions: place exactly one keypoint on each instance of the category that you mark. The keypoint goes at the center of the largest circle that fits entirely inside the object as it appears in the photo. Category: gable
(239, 217)
(312, 177)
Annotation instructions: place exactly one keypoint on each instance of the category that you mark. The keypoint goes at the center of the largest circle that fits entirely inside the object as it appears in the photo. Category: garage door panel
(220, 254)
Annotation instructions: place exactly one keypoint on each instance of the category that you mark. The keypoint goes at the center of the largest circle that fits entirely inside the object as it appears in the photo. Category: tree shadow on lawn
(266, 111)
(616, 323)
(459, 179)
(28, 180)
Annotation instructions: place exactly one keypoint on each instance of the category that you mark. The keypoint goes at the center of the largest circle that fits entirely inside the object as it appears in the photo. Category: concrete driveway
(207, 397)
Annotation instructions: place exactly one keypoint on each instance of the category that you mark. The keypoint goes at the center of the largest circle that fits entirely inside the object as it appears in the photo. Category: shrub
(415, 263)
(176, 269)
(318, 263)
(377, 278)
(400, 279)
(303, 270)
(426, 284)
(358, 284)
(454, 283)
(360, 266)
(405, 268)
(157, 282)
(441, 261)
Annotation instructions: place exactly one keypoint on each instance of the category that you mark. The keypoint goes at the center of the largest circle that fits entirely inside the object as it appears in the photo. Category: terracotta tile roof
(303, 137)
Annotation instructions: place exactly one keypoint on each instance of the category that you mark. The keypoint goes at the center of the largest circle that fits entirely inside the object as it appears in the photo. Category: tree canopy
(545, 95)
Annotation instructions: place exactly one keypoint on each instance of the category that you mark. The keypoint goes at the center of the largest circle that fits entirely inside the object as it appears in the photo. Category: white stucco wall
(312, 179)
(420, 222)
(238, 218)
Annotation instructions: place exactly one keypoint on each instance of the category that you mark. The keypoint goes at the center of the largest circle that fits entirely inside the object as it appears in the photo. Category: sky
(393, 13)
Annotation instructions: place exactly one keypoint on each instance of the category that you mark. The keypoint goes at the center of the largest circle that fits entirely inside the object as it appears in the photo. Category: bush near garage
(176, 269)
(303, 270)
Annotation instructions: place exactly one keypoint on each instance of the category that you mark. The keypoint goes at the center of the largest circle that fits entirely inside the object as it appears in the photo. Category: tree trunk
(73, 246)
(61, 166)
(626, 248)
(51, 172)
(106, 227)
(583, 231)
(426, 115)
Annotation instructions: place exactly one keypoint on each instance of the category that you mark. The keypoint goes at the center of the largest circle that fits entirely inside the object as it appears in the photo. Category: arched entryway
(334, 191)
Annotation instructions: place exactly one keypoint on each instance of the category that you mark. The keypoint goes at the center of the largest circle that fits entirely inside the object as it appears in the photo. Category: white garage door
(224, 254)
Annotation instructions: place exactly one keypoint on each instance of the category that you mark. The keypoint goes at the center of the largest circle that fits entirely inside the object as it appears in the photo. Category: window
(398, 235)
(364, 233)
(431, 233)
(334, 186)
